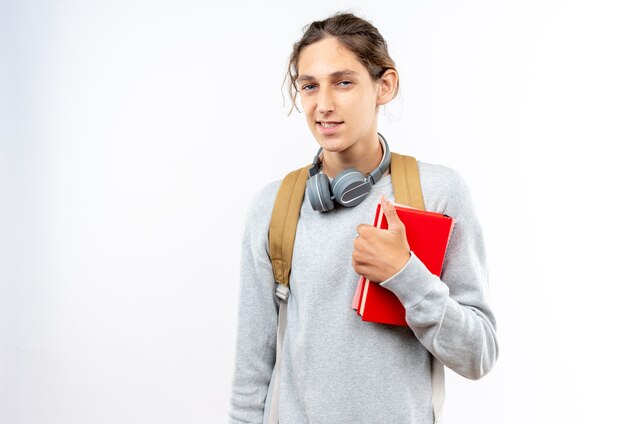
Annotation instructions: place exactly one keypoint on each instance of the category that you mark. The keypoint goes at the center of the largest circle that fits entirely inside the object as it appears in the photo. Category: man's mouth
(329, 124)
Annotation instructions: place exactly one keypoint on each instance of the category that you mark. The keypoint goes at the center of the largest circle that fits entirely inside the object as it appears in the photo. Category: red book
(428, 234)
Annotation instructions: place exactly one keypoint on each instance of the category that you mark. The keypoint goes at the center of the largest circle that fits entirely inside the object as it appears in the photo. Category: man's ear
(387, 87)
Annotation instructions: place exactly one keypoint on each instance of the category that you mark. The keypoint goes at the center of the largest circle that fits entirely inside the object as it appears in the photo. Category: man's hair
(355, 34)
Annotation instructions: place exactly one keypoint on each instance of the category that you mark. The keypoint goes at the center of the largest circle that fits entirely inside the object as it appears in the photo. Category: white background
(134, 134)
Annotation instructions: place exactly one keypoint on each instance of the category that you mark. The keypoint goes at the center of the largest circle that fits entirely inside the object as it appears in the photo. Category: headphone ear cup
(350, 187)
(318, 190)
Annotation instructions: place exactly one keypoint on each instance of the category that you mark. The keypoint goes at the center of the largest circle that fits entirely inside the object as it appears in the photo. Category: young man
(335, 367)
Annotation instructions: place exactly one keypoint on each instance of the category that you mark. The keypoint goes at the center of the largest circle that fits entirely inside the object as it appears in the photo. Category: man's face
(338, 95)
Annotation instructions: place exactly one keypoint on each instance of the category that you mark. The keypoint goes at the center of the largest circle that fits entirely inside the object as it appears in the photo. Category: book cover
(428, 234)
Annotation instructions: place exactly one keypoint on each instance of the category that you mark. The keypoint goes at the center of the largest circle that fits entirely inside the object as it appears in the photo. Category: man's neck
(363, 156)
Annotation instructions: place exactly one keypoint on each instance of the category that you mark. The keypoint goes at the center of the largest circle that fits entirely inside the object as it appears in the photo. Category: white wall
(135, 133)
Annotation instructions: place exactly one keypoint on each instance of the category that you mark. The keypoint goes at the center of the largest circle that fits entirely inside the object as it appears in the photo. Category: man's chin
(332, 144)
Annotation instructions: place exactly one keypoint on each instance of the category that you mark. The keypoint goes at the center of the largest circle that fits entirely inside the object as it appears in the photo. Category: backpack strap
(405, 178)
(282, 235)
(407, 190)
(282, 232)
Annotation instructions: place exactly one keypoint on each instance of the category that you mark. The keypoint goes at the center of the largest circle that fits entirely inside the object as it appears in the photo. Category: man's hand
(380, 254)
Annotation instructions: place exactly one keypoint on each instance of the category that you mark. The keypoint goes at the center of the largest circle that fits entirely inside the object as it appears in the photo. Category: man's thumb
(393, 221)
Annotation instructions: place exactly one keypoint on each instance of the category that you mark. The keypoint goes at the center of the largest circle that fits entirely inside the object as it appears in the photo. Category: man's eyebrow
(336, 74)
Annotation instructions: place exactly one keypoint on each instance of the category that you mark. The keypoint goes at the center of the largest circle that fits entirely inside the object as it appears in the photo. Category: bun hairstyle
(355, 34)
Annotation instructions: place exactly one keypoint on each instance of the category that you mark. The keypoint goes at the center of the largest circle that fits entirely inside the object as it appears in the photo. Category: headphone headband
(374, 176)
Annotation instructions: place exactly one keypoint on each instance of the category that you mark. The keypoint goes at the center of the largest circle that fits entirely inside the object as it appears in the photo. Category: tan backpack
(407, 190)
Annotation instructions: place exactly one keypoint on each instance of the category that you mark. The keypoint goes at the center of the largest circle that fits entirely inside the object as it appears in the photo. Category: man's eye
(307, 87)
(344, 83)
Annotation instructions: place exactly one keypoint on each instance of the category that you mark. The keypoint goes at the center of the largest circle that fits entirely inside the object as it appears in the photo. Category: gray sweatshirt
(337, 368)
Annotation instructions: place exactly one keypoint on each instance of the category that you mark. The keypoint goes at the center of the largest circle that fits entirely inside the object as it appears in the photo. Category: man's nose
(325, 101)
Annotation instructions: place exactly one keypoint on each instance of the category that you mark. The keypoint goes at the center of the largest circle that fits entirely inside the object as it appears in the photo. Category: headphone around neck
(348, 188)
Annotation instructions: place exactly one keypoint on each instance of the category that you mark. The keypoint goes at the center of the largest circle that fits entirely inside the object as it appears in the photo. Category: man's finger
(393, 221)
(362, 229)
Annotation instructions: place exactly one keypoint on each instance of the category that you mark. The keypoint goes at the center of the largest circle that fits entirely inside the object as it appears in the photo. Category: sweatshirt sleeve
(450, 316)
(255, 352)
